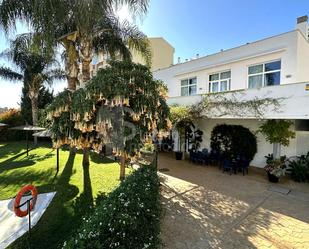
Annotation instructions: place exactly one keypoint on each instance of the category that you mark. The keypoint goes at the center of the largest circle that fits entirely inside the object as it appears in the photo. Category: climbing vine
(234, 104)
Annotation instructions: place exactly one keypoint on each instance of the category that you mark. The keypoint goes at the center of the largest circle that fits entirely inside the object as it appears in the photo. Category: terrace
(205, 208)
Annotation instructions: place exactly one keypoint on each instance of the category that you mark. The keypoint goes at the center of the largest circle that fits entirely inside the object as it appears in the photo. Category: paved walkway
(205, 208)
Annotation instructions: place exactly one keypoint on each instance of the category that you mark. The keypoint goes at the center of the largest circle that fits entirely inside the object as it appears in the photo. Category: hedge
(128, 218)
(233, 140)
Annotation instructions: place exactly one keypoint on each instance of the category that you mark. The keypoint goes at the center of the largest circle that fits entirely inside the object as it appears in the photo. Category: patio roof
(28, 128)
(45, 133)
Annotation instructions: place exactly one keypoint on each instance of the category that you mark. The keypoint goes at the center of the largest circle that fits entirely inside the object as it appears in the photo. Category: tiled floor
(205, 208)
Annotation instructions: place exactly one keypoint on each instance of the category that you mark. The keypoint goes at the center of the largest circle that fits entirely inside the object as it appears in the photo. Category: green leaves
(277, 131)
(121, 105)
(128, 218)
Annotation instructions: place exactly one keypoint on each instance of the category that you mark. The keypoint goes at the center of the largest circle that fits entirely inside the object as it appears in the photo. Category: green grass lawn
(76, 187)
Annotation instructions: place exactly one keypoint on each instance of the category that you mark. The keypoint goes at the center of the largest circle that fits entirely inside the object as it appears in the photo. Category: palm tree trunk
(72, 67)
(122, 167)
(35, 113)
(86, 51)
(35, 110)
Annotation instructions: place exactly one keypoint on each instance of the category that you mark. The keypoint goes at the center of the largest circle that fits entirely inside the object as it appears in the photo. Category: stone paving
(204, 208)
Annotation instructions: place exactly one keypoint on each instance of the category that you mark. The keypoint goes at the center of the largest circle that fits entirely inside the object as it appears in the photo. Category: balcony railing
(293, 100)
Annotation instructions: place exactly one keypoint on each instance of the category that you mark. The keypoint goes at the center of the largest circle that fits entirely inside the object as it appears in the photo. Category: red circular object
(20, 194)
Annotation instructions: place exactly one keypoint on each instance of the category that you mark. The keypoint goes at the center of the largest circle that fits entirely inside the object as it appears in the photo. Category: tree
(34, 64)
(278, 133)
(121, 106)
(90, 26)
(45, 98)
(182, 118)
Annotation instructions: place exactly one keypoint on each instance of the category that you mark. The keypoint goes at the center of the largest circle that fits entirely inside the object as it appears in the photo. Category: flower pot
(272, 178)
(179, 155)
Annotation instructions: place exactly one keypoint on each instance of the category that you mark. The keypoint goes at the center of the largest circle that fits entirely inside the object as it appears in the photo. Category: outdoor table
(27, 128)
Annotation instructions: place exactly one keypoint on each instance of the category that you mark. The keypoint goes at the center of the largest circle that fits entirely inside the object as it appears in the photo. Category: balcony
(293, 101)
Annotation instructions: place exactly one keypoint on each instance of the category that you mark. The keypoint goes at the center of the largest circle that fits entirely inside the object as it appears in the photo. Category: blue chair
(243, 165)
(227, 165)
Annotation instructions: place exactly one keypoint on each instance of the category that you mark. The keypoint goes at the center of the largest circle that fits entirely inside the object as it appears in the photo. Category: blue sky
(202, 26)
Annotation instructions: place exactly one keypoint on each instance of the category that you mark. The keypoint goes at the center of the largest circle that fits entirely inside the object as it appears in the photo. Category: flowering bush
(276, 167)
(128, 218)
(11, 117)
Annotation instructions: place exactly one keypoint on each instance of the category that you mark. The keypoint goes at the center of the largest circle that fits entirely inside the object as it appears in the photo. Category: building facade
(275, 67)
(162, 56)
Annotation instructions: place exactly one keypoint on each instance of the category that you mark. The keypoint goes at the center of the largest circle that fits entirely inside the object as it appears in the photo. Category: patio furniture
(27, 128)
(243, 165)
(216, 158)
(201, 157)
(228, 166)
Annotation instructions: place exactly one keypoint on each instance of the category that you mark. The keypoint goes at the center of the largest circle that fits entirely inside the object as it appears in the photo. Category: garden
(96, 133)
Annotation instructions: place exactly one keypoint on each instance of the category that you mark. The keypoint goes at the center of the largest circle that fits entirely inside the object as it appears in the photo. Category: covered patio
(204, 208)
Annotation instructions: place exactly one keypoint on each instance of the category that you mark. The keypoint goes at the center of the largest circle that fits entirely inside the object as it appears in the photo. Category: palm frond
(13, 10)
(8, 74)
(137, 7)
(54, 74)
(119, 38)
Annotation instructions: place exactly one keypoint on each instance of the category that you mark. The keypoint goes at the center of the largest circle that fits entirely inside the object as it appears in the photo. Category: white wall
(302, 59)
(286, 47)
(293, 102)
(302, 146)
(264, 148)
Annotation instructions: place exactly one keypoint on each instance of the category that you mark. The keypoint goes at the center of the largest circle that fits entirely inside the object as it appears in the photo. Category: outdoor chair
(193, 157)
(215, 158)
(205, 156)
(227, 165)
(243, 165)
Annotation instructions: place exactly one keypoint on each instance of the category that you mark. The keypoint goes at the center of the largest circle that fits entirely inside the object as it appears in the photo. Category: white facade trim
(232, 61)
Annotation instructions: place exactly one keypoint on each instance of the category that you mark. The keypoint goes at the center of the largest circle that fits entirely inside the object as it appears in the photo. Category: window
(220, 82)
(188, 87)
(267, 74)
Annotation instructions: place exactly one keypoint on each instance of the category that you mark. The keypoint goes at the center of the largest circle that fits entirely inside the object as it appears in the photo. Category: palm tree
(33, 64)
(82, 24)
(85, 26)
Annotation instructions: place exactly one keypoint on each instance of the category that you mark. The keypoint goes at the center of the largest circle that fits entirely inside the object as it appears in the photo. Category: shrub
(11, 117)
(299, 168)
(233, 140)
(128, 218)
(148, 148)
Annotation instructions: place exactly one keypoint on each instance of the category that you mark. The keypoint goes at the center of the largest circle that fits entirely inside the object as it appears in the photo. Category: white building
(275, 67)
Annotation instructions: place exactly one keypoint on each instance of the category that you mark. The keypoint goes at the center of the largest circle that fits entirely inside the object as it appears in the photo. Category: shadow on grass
(58, 220)
(7, 148)
(13, 163)
(64, 215)
(83, 204)
(99, 159)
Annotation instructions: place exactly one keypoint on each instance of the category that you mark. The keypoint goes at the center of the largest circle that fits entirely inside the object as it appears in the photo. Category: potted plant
(181, 119)
(275, 168)
(278, 133)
